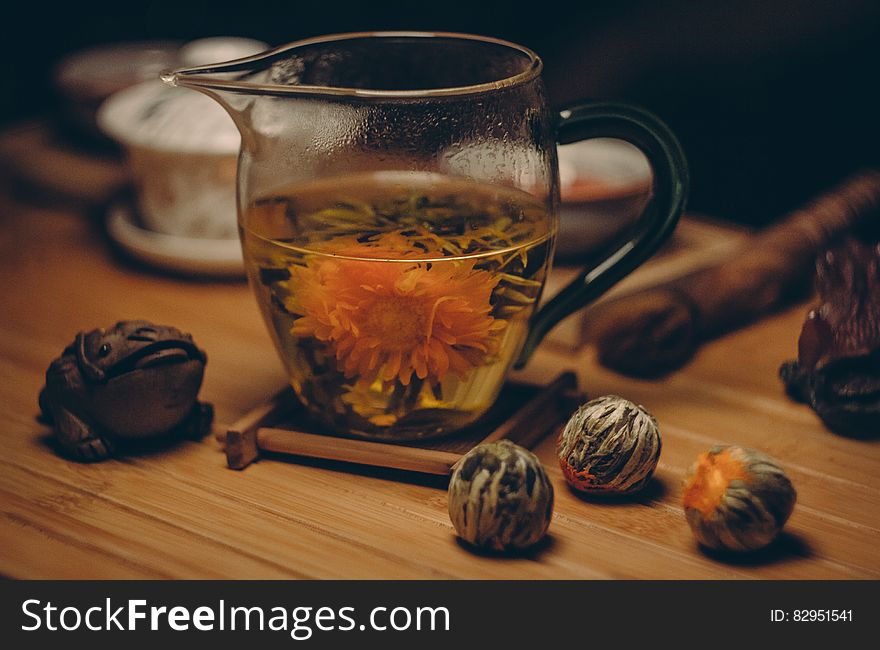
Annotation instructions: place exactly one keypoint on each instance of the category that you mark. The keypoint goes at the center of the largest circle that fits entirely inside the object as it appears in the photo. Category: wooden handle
(654, 332)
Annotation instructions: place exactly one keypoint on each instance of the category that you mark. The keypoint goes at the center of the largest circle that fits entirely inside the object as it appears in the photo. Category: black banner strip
(515, 614)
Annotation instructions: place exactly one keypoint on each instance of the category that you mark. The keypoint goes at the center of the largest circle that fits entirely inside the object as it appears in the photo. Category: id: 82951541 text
(811, 615)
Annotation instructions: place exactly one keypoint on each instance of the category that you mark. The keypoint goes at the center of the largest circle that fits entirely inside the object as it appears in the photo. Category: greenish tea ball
(500, 497)
(609, 445)
(736, 498)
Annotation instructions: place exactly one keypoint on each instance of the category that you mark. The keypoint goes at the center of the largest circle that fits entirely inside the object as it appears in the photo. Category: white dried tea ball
(737, 499)
(500, 497)
(609, 445)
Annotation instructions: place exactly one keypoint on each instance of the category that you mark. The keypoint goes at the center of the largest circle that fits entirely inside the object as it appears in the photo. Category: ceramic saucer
(216, 258)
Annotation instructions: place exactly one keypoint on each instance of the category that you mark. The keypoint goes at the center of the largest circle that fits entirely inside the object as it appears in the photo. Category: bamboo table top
(179, 513)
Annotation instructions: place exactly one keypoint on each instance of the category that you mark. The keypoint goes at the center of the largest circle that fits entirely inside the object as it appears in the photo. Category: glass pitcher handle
(670, 188)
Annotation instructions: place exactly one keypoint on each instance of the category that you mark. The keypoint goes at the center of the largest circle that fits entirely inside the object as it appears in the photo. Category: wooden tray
(523, 413)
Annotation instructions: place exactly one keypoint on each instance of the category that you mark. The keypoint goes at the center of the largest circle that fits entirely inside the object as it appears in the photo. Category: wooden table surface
(179, 513)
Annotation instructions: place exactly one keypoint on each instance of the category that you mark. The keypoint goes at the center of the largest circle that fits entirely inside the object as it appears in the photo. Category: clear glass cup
(398, 197)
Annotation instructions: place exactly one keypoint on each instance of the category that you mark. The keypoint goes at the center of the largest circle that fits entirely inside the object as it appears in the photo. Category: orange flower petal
(390, 320)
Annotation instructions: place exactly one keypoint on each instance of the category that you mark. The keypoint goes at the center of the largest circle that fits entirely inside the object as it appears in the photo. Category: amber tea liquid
(398, 301)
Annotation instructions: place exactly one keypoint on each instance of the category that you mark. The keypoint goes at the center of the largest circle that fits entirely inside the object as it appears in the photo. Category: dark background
(773, 100)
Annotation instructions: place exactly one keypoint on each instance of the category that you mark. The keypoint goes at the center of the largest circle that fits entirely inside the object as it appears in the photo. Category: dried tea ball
(737, 499)
(500, 497)
(609, 445)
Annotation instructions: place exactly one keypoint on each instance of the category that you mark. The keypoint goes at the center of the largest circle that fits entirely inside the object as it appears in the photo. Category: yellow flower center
(398, 321)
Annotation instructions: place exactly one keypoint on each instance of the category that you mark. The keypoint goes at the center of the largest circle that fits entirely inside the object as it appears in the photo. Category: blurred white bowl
(182, 148)
(604, 186)
(86, 78)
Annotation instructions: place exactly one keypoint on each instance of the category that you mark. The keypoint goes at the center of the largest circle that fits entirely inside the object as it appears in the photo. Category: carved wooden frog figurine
(134, 380)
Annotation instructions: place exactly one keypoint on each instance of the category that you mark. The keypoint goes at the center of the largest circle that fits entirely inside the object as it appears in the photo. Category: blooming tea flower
(388, 315)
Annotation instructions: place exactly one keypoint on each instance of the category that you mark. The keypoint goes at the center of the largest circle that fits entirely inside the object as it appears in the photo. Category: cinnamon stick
(654, 332)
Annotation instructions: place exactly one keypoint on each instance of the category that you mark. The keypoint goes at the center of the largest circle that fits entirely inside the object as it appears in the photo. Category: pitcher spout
(272, 72)
(233, 75)
(171, 78)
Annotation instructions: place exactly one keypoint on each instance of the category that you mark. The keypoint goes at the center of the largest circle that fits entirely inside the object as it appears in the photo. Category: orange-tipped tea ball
(737, 499)
(500, 497)
(609, 445)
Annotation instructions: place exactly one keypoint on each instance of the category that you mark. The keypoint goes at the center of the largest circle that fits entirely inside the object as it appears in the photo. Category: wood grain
(178, 512)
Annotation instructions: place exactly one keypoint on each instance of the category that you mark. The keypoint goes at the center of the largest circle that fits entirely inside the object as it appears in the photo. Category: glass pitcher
(397, 198)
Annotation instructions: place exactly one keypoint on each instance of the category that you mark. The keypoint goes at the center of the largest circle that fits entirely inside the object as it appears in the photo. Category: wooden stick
(539, 416)
(360, 452)
(534, 413)
(250, 421)
(654, 332)
(249, 437)
(241, 448)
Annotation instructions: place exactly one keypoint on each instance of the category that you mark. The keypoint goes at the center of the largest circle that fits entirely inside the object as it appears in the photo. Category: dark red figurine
(135, 380)
(837, 370)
